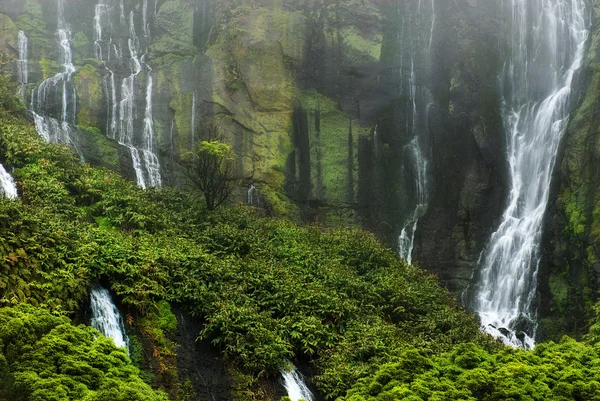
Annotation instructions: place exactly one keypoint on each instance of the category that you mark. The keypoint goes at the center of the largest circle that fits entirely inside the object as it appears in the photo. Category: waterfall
(22, 62)
(106, 318)
(253, 199)
(295, 386)
(123, 118)
(57, 89)
(193, 126)
(547, 46)
(150, 159)
(415, 46)
(8, 188)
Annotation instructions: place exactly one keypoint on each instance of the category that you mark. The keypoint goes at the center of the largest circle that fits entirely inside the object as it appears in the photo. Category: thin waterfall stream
(547, 42)
(415, 39)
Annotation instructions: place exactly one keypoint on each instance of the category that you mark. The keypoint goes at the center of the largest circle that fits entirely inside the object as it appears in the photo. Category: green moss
(166, 319)
(559, 288)
(8, 34)
(89, 100)
(49, 68)
(80, 40)
(166, 44)
(352, 37)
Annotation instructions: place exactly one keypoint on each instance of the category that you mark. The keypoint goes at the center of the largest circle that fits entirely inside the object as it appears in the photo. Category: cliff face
(335, 109)
(570, 268)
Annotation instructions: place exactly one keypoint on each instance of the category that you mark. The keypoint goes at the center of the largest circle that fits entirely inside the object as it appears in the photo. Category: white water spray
(23, 61)
(125, 123)
(547, 44)
(57, 88)
(295, 386)
(8, 188)
(106, 318)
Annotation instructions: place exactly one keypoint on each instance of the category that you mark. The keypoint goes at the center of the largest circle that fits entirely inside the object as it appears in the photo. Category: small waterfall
(547, 42)
(150, 159)
(416, 46)
(8, 188)
(295, 386)
(23, 61)
(106, 318)
(193, 126)
(253, 199)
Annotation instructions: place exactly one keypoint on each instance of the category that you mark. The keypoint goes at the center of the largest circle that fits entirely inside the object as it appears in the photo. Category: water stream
(415, 39)
(8, 188)
(56, 90)
(106, 318)
(547, 46)
(295, 386)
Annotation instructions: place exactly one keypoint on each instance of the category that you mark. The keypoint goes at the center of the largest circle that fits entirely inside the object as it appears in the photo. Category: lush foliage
(45, 358)
(565, 371)
(266, 290)
(210, 168)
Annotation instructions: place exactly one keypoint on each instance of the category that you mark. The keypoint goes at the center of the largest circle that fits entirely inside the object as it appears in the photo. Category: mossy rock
(90, 97)
(175, 18)
(8, 36)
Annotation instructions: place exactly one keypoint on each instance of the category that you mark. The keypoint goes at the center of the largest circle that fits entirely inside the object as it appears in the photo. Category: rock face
(324, 103)
(570, 268)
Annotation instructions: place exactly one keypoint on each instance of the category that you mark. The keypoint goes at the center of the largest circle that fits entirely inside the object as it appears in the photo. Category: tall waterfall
(415, 39)
(106, 317)
(58, 89)
(295, 385)
(23, 61)
(124, 120)
(547, 46)
(8, 189)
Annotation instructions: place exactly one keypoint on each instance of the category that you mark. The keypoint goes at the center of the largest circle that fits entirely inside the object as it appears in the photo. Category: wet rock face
(300, 88)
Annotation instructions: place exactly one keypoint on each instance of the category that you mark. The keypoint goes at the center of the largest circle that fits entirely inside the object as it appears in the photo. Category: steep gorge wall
(570, 267)
(307, 94)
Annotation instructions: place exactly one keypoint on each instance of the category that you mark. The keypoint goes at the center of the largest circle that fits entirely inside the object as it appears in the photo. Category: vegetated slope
(266, 290)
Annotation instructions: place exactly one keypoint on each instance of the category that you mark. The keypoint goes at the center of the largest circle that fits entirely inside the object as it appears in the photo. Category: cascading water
(547, 48)
(415, 46)
(23, 63)
(57, 89)
(106, 318)
(122, 112)
(253, 198)
(8, 188)
(193, 126)
(295, 385)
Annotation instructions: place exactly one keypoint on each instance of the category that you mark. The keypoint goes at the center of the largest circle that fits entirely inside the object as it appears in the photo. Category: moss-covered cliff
(571, 265)
(313, 97)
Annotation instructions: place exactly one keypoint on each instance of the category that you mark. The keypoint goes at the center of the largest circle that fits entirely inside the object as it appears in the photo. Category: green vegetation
(210, 168)
(45, 358)
(265, 290)
(565, 371)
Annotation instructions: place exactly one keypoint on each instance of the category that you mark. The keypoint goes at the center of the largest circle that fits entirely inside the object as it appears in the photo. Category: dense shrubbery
(565, 371)
(45, 358)
(267, 290)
